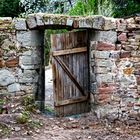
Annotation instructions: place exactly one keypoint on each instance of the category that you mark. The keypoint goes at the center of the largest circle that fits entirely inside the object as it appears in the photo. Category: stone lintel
(44, 20)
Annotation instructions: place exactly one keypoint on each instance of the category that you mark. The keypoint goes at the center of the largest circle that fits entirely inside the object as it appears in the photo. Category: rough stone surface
(20, 24)
(28, 76)
(39, 19)
(116, 69)
(114, 59)
(5, 23)
(31, 21)
(6, 77)
(106, 36)
(14, 87)
(29, 38)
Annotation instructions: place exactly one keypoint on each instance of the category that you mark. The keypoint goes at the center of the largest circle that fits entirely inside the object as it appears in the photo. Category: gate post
(32, 63)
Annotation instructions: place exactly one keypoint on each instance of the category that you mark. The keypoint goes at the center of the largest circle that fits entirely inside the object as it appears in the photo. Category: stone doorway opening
(68, 63)
(49, 95)
(49, 101)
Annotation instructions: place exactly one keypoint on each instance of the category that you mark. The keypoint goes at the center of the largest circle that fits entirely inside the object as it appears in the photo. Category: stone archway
(113, 41)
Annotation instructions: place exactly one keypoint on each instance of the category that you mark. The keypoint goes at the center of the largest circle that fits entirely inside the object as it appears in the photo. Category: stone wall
(115, 71)
(20, 58)
(114, 60)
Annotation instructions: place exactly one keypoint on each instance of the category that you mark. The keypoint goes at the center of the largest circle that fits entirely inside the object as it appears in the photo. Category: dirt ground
(79, 127)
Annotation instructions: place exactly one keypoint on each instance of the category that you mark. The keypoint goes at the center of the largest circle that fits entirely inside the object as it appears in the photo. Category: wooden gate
(70, 73)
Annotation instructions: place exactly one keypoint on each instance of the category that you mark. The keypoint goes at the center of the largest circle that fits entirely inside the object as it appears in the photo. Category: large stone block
(31, 21)
(6, 77)
(20, 24)
(105, 36)
(14, 87)
(110, 23)
(104, 63)
(104, 78)
(105, 46)
(28, 76)
(30, 38)
(30, 60)
(39, 19)
(98, 22)
(102, 54)
(102, 70)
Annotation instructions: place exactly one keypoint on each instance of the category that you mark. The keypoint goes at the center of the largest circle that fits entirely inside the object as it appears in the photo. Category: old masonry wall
(114, 60)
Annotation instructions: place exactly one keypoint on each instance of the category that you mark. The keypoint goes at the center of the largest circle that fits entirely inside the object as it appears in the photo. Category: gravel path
(49, 88)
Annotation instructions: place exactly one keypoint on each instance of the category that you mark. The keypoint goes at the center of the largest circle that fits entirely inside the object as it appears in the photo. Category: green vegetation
(23, 117)
(125, 8)
(115, 8)
(29, 103)
(4, 130)
(9, 8)
(92, 7)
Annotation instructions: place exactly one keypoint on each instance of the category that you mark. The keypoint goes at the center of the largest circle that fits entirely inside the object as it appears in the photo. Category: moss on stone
(3, 37)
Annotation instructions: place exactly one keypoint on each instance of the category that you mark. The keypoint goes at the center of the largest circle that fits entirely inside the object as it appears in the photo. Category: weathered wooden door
(70, 73)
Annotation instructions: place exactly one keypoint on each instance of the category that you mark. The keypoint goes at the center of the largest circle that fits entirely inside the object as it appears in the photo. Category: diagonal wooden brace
(66, 69)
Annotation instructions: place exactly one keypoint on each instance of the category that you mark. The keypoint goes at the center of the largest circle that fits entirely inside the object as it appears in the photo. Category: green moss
(4, 130)
(28, 102)
(89, 21)
(4, 100)
(23, 117)
(3, 37)
(33, 124)
(57, 19)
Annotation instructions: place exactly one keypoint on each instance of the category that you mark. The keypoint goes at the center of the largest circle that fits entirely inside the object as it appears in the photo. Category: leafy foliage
(92, 7)
(32, 6)
(126, 7)
(9, 8)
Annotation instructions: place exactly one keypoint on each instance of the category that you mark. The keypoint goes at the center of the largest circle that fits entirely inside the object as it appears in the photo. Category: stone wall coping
(58, 21)
(44, 20)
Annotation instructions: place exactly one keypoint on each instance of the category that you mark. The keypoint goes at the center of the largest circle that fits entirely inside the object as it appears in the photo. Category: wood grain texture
(69, 51)
(70, 73)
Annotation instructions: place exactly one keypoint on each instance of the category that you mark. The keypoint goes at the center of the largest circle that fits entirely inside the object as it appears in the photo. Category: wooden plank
(71, 101)
(70, 65)
(60, 93)
(68, 109)
(69, 51)
(54, 72)
(66, 69)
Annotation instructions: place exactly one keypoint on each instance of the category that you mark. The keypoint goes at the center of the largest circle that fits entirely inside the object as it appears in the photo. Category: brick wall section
(115, 66)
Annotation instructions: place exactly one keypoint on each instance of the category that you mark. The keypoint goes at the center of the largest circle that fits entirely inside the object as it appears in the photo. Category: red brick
(105, 46)
(12, 63)
(122, 37)
(105, 90)
(2, 64)
(138, 80)
(130, 104)
(137, 104)
(103, 98)
(125, 54)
